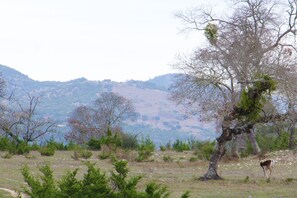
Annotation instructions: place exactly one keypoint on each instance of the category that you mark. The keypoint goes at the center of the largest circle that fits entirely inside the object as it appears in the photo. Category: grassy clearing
(242, 178)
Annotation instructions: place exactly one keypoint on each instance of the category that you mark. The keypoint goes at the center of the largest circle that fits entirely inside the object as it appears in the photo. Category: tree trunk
(292, 136)
(235, 148)
(220, 150)
(213, 164)
(252, 138)
(292, 112)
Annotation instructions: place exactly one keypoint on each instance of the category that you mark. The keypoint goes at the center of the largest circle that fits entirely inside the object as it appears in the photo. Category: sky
(61, 40)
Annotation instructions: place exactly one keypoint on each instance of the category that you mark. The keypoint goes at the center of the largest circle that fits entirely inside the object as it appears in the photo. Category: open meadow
(242, 178)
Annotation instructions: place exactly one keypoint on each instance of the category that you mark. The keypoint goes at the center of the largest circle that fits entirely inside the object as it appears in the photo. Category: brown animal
(267, 164)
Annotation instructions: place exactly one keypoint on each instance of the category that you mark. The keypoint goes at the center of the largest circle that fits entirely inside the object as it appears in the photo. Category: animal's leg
(270, 171)
(264, 171)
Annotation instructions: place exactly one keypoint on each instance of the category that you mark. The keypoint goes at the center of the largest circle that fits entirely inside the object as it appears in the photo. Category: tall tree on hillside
(109, 111)
(239, 65)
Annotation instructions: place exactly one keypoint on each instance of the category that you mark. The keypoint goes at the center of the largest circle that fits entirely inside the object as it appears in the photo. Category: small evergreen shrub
(106, 152)
(289, 180)
(272, 142)
(47, 151)
(7, 155)
(145, 149)
(181, 146)
(111, 140)
(123, 140)
(71, 146)
(19, 148)
(129, 141)
(156, 190)
(4, 143)
(282, 141)
(104, 155)
(86, 154)
(186, 194)
(57, 145)
(94, 144)
(30, 156)
(34, 147)
(193, 159)
(76, 155)
(122, 186)
(81, 153)
(162, 148)
(45, 188)
(204, 150)
(109, 145)
(93, 184)
(143, 155)
(167, 158)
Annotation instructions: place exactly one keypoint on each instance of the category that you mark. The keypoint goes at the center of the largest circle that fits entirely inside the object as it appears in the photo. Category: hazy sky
(97, 39)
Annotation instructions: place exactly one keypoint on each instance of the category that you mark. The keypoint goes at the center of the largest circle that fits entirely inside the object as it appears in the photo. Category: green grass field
(242, 178)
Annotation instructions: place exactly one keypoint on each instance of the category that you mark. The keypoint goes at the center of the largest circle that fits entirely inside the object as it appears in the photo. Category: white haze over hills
(158, 117)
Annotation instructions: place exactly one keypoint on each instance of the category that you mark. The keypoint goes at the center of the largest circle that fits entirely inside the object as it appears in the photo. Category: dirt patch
(14, 193)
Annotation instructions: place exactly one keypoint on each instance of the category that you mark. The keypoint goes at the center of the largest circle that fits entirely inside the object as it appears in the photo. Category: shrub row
(123, 140)
(93, 184)
(202, 149)
(111, 142)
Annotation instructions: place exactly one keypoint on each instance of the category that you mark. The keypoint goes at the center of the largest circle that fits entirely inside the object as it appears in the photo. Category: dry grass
(242, 178)
(4, 194)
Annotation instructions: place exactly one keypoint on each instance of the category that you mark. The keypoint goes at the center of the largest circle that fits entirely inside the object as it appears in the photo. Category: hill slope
(158, 117)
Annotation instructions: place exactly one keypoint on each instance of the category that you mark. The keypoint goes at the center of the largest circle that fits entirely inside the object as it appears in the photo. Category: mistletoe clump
(211, 33)
(253, 99)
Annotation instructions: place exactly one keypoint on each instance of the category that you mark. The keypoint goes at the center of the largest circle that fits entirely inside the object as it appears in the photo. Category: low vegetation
(47, 150)
(112, 144)
(145, 149)
(94, 183)
(182, 159)
(173, 170)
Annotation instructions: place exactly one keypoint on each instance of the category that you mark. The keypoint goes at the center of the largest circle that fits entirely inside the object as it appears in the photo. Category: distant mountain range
(158, 117)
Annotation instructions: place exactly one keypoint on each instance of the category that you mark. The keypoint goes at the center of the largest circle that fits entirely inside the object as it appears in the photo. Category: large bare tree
(109, 111)
(246, 49)
(22, 122)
